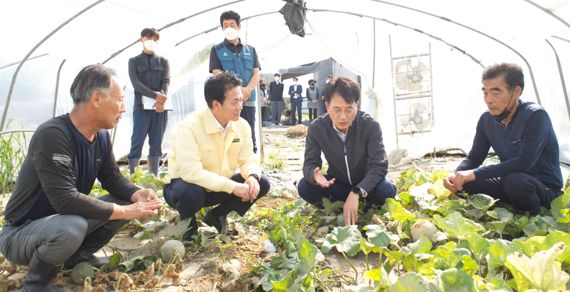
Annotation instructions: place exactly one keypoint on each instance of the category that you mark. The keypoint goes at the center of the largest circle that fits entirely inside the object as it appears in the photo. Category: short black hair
(89, 79)
(512, 73)
(228, 15)
(217, 87)
(277, 74)
(150, 32)
(347, 88)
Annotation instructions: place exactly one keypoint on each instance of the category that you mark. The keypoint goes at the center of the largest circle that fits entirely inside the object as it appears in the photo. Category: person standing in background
(295, 92)
(313, 97)
(276, 98)
(241, 59)
(327, 91)
(264, 100)
(150, 77)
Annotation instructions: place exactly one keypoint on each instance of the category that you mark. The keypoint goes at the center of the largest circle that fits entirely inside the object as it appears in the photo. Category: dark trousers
(58, 238)
(312, 114)
(248, 114)
(339, 191)
(296, 111)
(151, 123)
(189, 198)
(522, 191)
(277, 108)
(265, 113)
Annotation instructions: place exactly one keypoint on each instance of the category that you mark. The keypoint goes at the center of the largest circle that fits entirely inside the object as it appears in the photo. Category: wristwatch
(360, 192)
(254, 175)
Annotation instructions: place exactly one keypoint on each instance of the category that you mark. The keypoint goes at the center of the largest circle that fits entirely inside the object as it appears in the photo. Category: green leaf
(456, 225)
(115, 260)
(332, 207)
(345, 239)
(457, 280)
(560, 203)
(541, 271)
(410, 282)
(482, 201)
(132, 264)
(396, 211)
(500, 214)
(366, 247)
(478, 245)
(469, 265)
(498, 252)
(438, 190)
(379, 236)
(422, 245)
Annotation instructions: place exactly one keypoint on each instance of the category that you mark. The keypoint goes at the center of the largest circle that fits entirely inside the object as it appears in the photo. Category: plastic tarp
(454, 39)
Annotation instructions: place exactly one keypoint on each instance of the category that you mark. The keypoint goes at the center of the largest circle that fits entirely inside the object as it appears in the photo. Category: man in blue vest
(241, 59)
(521, 134)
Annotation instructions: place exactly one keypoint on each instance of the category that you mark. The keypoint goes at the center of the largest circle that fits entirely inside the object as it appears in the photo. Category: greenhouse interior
(419, 65)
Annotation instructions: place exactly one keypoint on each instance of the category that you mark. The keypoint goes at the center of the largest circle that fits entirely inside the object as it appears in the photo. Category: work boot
(40, 275)
(133, 163)
(153, 164)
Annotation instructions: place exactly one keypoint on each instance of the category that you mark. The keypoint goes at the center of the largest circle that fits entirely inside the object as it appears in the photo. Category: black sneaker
(220, 223)
(192, 230)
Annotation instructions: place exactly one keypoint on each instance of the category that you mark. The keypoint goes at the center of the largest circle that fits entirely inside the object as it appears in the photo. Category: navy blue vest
(239, 63)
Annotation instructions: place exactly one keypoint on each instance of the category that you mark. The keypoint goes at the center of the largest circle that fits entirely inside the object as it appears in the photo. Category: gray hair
(90, 79)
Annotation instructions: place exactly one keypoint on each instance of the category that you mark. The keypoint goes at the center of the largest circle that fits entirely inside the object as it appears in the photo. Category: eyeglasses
(347, 111)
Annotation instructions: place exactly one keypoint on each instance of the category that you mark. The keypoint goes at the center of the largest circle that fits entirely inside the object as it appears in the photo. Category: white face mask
(231, 33)
(149, 45)
(276, 79)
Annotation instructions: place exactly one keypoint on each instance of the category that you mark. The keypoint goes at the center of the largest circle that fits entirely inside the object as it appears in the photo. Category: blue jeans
(518, 189)
(339, 191)
(151, 123)
(189, 198)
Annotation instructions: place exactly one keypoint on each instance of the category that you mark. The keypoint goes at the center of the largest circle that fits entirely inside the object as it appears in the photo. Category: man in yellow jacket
(208, 147)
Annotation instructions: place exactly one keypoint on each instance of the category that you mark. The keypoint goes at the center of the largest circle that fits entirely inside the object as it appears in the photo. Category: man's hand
(321, 180)
(253, 188)
(144, 195)
(159, 107)
(350, 210)
(246, 93)
(448, 183)
(462, 177)
(135, 211)
(161, 98)
(242, 191)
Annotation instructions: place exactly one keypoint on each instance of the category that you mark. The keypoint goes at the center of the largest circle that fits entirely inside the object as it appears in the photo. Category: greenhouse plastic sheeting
(453, 41)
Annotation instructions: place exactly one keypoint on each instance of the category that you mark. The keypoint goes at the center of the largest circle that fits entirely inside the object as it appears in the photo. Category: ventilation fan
(410, 74)
(420, 116)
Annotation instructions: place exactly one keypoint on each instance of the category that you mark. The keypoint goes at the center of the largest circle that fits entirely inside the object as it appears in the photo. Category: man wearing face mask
(150, 77)
(295, 91)
(241, 59)
(276, 98)
(313, 99)
(522, 135)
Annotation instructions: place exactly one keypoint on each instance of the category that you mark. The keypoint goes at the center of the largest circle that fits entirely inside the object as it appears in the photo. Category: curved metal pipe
(474, 30)
(57, 87)
(561, 73)
(171, 24)
(547, 11)
(9, 97)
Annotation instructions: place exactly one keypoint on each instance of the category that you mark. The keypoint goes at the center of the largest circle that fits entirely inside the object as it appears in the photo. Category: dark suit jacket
(298, 90)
